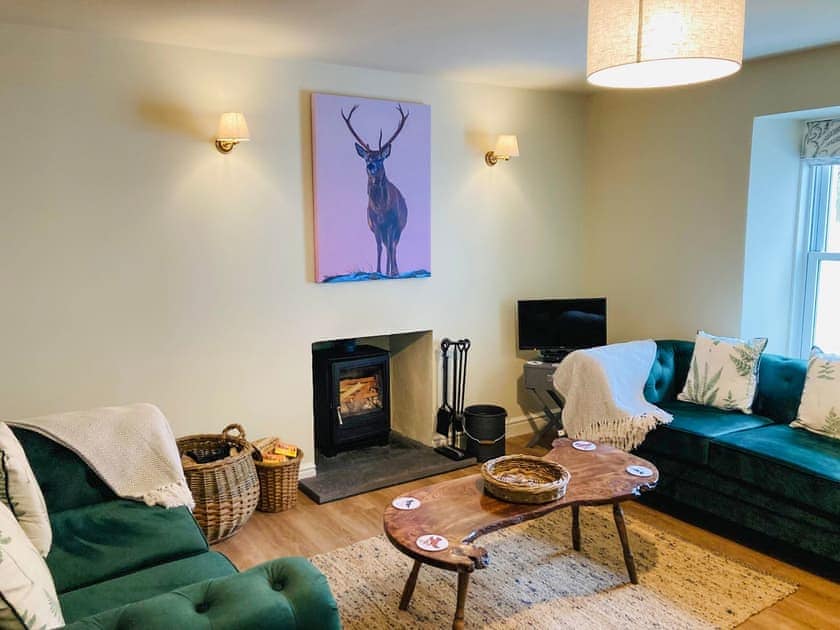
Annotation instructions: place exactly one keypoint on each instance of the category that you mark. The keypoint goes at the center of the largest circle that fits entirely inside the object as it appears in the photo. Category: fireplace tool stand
(450, 418)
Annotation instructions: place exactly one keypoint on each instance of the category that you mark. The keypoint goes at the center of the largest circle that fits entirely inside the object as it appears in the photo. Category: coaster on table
(583, 445)
(640, 471)
(406, 503)
(432, 542)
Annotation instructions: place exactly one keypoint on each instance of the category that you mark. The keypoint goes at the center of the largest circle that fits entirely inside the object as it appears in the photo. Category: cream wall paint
(666, 194)
(140, 264)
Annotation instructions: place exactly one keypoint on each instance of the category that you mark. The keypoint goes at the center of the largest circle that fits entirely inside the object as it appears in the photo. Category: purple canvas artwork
(372, 178)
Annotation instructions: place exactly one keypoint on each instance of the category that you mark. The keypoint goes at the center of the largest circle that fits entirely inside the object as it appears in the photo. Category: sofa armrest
(283, 593)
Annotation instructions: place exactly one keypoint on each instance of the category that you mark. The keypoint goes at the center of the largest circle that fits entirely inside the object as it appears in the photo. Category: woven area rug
(536, 580)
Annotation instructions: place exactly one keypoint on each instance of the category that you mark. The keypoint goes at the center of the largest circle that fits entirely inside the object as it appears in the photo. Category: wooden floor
(309, 529)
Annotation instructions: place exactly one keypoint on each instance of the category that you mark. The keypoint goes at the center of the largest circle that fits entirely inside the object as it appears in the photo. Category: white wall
(140, 264)
(772, 231)
(667, 187)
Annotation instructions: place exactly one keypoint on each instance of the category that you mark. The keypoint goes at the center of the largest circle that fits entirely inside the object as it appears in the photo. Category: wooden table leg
(576, 527)
(618, 514)
(463, 583)
(410, 583)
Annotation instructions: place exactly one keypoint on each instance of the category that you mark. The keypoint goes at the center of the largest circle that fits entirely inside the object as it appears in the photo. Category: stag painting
(387, 213)
(350, 203)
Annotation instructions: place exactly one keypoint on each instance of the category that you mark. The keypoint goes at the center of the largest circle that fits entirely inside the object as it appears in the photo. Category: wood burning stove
(351, 398)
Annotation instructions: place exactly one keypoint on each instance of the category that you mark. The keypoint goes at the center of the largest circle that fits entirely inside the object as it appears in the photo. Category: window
(821, 262)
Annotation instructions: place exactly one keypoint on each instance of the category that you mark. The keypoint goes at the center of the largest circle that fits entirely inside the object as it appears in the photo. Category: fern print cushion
(723, 372)
(819, 409)
(20, 492)
(27, 592)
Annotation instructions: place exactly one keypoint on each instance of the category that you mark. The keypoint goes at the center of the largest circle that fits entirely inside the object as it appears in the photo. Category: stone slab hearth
(365, 469)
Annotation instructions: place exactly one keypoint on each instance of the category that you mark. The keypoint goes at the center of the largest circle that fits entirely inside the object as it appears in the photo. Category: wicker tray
(226, 491)
(525, 479)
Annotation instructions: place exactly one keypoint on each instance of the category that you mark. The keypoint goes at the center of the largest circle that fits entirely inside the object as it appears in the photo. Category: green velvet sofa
(122, 564)
(753, 472)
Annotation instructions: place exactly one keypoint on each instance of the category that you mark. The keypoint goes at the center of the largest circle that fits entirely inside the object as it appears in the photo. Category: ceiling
(530, 43)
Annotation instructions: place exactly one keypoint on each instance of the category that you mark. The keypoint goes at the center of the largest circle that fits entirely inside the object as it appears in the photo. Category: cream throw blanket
(603, 390)
(131, 448)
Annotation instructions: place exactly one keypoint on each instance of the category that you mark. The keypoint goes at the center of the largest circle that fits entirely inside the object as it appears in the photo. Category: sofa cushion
(101, 541)
(724, 372)
(65, 479)
(687, 437)
(143, 584)
(819, 409)
(799, 465)
(27, 592)
(20, 492)
(284, 593)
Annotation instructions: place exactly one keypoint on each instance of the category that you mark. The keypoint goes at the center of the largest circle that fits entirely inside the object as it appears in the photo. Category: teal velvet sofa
(123, 564)
(750, 474)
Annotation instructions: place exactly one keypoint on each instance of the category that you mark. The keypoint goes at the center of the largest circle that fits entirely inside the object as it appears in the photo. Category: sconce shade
(233, 128)
(659, 43)
(507, 146)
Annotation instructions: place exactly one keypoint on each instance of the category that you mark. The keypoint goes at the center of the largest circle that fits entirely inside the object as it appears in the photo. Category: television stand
(538, 378)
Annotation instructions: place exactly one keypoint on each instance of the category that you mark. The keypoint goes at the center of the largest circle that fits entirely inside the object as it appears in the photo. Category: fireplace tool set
(450, 416)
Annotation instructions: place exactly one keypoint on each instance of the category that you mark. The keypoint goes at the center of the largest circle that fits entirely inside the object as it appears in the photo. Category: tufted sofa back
(669, 370)
(780, 380)
(66, 481)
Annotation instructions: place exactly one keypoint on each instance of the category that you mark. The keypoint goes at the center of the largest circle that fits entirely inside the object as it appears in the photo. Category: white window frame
(815, 213)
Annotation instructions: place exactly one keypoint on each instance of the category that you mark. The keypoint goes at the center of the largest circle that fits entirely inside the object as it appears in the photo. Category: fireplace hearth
(351, 397)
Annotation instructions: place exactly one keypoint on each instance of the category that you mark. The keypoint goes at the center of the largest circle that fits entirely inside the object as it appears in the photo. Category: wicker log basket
(278, 483)
(525, 479)
(226, 491)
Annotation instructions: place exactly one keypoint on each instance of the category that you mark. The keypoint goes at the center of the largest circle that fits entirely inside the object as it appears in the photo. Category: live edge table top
(461, 511)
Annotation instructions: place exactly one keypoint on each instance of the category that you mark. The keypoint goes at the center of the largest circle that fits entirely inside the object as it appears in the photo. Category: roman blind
(822, 141)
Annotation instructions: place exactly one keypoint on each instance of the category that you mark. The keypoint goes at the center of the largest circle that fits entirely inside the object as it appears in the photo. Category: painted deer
(386, 212)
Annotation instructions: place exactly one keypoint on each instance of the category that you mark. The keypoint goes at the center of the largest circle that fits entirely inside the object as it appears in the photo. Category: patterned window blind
(821, 143)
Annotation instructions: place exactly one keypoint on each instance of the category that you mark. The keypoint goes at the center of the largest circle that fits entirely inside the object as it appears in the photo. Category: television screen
(562, 324)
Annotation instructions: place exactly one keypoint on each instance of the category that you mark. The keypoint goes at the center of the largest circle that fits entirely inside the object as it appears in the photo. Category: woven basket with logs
(525, 479)
(226, 491)
(278, 479)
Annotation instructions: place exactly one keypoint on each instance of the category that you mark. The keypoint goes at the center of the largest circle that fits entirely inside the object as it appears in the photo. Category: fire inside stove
(360, 394)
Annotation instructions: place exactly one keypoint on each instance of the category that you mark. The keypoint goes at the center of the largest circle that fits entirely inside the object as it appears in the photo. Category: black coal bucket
(485, 429)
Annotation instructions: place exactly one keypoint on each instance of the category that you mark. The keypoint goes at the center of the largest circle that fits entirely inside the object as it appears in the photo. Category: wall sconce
(232, 130)
(506, 148)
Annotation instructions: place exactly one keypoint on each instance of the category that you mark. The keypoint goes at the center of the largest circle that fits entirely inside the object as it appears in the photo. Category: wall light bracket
(226, 146)
(506, 148)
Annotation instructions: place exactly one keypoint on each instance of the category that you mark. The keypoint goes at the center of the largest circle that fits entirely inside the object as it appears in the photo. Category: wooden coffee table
(460, 511)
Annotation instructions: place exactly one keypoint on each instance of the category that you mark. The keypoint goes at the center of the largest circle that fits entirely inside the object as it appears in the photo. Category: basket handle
(237, 427)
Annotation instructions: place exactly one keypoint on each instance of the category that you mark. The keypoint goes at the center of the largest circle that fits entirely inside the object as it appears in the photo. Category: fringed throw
(131, 448)
(603, 389)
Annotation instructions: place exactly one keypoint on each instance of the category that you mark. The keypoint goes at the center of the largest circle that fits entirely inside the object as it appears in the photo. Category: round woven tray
(525, 479)
(226, 491)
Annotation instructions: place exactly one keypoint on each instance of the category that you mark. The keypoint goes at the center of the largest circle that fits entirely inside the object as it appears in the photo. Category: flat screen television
(556, 327)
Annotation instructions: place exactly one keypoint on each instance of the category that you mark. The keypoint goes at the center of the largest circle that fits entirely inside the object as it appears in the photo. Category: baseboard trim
(524, 424)
(306, 471)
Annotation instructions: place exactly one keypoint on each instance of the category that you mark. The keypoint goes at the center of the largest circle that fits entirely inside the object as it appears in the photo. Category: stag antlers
(350, 127)
(403, 118)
